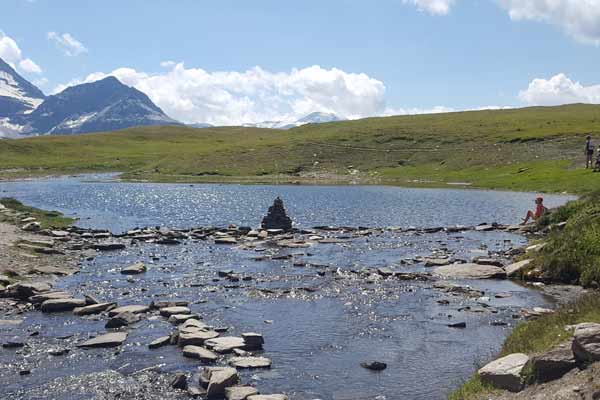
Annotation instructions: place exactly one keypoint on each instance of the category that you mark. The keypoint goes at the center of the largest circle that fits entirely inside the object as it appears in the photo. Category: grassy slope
(522, 149)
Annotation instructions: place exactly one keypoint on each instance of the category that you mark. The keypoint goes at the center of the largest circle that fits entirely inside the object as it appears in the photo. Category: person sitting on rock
(540, 211)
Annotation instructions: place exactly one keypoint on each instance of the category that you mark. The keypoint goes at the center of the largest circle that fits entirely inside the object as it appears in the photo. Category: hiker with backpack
(589, 152)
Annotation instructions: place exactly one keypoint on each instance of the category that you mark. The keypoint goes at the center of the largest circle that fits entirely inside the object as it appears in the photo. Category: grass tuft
(47, 219)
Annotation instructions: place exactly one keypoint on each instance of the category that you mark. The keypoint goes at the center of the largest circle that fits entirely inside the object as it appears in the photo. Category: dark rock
(107, 340)
(553, 364)
(137, 268)
(276, 217)
(374, 365)
(58, 305)
(459, 325)
(179, 381)
(161, 341)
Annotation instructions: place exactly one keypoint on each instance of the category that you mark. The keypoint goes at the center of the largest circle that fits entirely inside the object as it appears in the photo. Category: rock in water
(374, 365)
(277, 217)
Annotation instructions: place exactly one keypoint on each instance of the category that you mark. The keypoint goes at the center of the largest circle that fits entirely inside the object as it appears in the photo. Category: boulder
(250, 362)
(554, 364)
(32, 226)
(239, 392)
(107, 340)
(514, 270)
(220, 378)
(199, 353)
(225, 344)
(93, 309)
(505, 373)
(586, 342)
(137, 268)
(134, 309)
(276, 217)
(58, 305)
(470, 271)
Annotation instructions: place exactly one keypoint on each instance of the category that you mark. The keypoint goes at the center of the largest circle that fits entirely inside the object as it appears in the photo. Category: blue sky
(391, 56)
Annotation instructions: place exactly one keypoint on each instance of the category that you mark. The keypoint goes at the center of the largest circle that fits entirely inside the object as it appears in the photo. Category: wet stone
(220, 378)
(58, 305)
(160, 342)
(180, 318)
(134, 309)
(250, 362)
(179, 381)
(199, 353)
(195, 338)
(253, 341)
(374, 365)
(239, 392)
(106, 340)
(137, 268)
(168, 311)
(93, 309)
(122, 319)
(225, 344)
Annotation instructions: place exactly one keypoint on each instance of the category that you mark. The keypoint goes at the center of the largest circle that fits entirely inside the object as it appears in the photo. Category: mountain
(201, 125)
(104, 105)
(312, 118)
(17, 95)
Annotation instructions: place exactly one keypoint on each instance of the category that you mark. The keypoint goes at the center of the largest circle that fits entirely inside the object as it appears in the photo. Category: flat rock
(586, 342)
(250, 362)
(108, 246)
(436, 262)
(160, 342)
(239, 392)
(515, 269)
(168, 311)
(505, 373)
(225, 344)
(220, 378)
(196, 338)
(488, 261)
(268, 397)
(199, 353)
(470, 271)
(122, 319)
(24, 290)
(58, 305)
(180, 318)
(137, 268)
(134, 309)
(93, 309)
(107, 340)
(226, 240)
(40, 298)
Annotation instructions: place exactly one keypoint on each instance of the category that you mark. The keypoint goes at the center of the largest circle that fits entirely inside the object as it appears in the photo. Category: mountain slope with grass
(539, 148)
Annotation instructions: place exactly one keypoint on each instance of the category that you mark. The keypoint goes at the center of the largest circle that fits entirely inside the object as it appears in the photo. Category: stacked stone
(277, 217)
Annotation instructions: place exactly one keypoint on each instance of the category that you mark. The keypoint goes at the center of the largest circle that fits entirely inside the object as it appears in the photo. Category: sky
(229, 62)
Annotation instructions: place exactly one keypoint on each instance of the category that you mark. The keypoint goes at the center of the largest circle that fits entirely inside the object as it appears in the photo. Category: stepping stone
(40, 298)
(470, 271)
(199, 353)
(225, 344)
(93, 309)
(254, 341)
(160, 342)
(180, 318)
(250, 362)
(515, 269)
(225, 240)
(239, 392)
(107, 340)
(268, 397)
(168, 311)
(134, 309)
(122, 319)
(195, 338)
(137, 268)
(58, 305)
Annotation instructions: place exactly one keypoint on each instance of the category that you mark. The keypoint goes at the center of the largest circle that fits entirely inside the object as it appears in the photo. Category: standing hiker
(589, 152)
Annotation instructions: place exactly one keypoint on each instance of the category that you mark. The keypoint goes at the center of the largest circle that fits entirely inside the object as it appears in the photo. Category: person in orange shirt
(540, 210)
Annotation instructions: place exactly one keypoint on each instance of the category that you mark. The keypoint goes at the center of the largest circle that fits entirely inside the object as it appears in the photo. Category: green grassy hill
(539, 148)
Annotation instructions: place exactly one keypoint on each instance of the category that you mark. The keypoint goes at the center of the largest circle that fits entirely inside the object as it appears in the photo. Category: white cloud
(67, 43)
(168, 64)
(579, 18)
(256, 95)
(12, 54)
(435, 7)
(28, 65)
(559, 89)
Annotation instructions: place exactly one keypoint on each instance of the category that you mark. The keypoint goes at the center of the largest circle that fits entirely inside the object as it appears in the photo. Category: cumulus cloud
(12, 54)
(579, 18)
(256, 95)
(435, 7)
(67, 43)
(559, 89)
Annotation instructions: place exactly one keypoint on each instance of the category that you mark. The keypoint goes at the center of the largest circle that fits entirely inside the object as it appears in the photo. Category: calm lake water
(317, 338)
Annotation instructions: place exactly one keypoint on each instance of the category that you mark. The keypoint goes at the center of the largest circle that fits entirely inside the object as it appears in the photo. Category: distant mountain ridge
(101, 106)
(104, 105)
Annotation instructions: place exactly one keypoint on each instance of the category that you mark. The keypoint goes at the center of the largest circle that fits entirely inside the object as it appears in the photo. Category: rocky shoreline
(197, 339)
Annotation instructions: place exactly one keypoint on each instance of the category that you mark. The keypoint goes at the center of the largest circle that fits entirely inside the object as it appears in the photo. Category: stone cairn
(277, 218)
